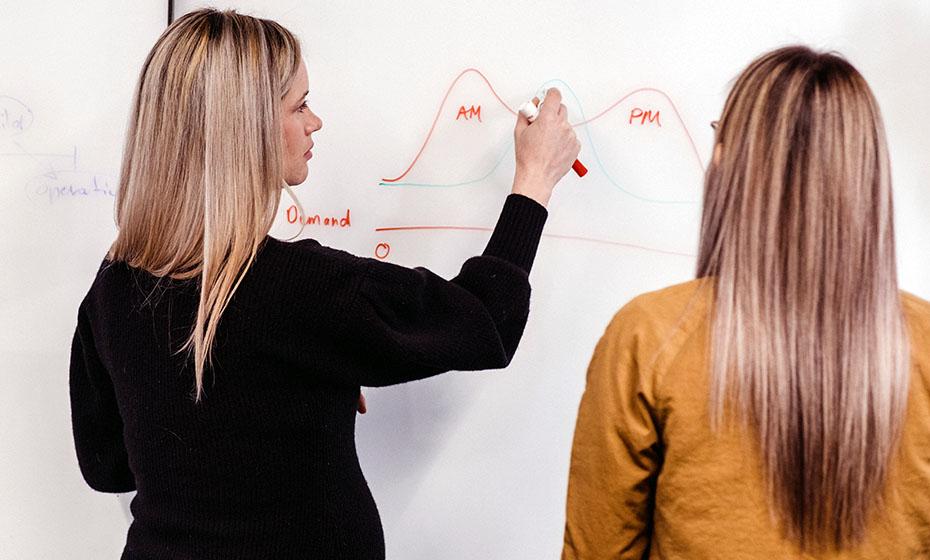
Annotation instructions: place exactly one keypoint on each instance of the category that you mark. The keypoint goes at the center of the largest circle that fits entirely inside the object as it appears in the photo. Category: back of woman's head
(202, 166)
(808, 342)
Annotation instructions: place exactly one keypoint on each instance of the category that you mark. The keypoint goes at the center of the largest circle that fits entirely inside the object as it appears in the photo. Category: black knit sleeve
(95, 419)
(408, 324)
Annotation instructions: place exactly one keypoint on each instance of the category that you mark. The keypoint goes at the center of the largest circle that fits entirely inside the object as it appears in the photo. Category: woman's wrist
(533, 187)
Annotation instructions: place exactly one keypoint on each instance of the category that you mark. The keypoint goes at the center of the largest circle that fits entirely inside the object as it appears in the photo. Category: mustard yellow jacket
(649, 479)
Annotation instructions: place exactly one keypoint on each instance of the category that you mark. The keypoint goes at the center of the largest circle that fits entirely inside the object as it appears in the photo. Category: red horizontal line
(553, 235)
(411, 228)
(31, 154)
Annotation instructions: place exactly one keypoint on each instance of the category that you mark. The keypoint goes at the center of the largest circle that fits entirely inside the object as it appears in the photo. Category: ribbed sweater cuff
(519, 228)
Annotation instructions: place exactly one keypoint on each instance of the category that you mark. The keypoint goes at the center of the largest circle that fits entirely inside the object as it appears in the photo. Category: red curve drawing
(432, 127)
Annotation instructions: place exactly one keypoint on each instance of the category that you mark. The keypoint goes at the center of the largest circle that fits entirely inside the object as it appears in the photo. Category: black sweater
(265, 465)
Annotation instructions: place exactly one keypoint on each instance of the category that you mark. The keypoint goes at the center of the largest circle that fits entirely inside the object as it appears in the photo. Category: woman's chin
(297, 178)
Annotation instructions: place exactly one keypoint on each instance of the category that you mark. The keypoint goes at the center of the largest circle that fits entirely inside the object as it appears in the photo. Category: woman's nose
(315, 123)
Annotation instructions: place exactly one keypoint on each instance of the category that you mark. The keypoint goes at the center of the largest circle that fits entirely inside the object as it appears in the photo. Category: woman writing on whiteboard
(216, 370)
(778, 406)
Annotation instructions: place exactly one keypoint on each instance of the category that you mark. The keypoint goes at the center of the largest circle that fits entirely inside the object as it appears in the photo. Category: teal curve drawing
(584, 122)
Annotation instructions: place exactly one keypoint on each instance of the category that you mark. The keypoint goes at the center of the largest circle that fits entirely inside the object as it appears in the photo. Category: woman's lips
(308, 154)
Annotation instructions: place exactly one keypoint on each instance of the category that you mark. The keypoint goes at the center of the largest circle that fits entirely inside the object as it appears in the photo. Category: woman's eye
(302, 106)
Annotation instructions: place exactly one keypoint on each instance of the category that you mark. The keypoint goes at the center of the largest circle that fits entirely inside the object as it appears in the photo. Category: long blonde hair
(202, 166)
(809, 346)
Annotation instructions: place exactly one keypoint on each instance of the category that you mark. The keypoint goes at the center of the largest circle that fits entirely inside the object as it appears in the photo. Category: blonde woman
(216, 370)
(778, 406)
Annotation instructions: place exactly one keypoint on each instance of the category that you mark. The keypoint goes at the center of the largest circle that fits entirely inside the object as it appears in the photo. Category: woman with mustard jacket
(778, 406)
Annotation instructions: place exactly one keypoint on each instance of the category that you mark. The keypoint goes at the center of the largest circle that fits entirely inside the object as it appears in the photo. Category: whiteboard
(67, 71)
(416, 147)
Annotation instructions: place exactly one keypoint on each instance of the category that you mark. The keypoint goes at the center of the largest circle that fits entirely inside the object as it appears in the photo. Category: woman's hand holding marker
(530, 110)
(546, 147)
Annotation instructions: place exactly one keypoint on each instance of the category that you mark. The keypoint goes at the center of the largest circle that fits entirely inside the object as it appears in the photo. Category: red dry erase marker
(530, 110)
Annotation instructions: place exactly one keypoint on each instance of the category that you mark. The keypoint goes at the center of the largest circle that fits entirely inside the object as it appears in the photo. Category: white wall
(463, 466)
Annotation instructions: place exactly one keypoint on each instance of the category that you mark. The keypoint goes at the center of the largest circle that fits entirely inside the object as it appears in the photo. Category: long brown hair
(809, 346)
(202, 166)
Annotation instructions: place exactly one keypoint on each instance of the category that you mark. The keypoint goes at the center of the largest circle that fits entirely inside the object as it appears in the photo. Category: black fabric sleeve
(95, 419)
(408, 324)
(518, 231)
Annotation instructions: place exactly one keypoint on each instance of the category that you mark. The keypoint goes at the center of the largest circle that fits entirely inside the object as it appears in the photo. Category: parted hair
(808, 342)
(202, 171)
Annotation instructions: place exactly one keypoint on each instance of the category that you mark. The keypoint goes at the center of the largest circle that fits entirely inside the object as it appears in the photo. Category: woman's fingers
(552, 102)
